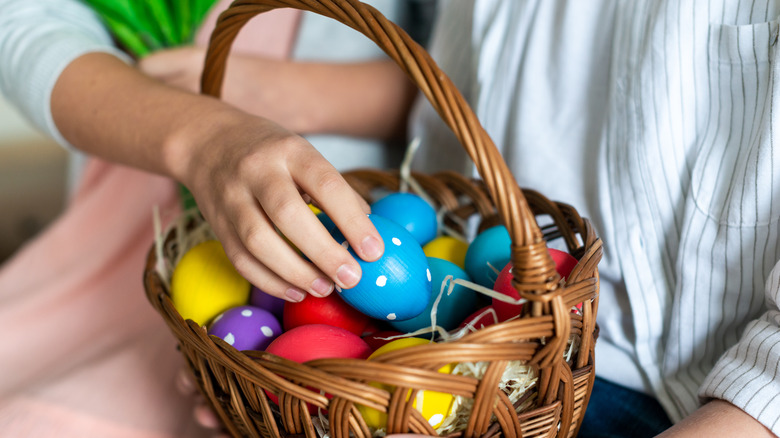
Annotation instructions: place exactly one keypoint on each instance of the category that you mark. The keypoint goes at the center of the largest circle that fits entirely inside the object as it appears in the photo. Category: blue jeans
(618, 412)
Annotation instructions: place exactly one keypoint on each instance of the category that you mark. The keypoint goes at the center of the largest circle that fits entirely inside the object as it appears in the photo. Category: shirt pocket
(734, 162)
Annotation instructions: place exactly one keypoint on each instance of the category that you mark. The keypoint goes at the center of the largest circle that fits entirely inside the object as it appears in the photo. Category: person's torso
(652, 118)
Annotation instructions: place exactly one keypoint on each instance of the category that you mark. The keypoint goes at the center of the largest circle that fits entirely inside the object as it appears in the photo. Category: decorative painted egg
(246, 327)
(380, 338)
(447, 248)
(451, 308)
(434, 406)
(375, 326)
(487, 254)
(564, 263)
(317, 341)
(411, 212)
(480, 319)
(398, 285)
(326, 221)
(331, 310)
(204, 283)
(260, 299)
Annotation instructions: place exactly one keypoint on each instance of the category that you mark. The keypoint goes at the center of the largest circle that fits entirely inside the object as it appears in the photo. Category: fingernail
(321, 287)
(295, 295)
(348, 276)
(371, 247)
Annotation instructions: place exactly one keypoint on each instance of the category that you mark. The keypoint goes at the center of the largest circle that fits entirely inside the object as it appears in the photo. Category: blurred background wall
(32, 179)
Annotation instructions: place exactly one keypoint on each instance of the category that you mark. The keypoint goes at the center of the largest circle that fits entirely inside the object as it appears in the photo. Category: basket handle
(534, 270)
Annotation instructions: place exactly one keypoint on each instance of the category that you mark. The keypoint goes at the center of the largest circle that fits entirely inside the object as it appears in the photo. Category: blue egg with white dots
(487, 254)
(326, 221)
(398, 285)
(411, 212)
(452, 308)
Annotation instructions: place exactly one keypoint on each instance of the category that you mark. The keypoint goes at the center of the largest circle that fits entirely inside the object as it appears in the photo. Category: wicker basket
(235, 383)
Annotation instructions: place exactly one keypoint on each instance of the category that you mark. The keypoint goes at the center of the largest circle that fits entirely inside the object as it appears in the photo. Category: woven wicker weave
(235, 382)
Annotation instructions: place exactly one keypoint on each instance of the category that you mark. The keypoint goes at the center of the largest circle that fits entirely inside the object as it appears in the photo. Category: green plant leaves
(143, 26)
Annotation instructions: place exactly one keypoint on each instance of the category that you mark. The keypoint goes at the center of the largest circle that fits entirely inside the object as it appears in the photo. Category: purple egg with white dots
(246, 327)
(398, 285)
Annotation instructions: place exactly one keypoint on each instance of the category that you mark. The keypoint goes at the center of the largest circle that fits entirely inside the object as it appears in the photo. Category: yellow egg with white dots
(205, 283)
(434, 406)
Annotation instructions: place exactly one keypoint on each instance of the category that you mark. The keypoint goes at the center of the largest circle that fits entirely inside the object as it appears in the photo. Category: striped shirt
(658, 120)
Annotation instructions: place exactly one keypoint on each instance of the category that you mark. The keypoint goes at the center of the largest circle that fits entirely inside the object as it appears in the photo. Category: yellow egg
(314, 209)
(434, 406)
(204, 283)
(447, 248)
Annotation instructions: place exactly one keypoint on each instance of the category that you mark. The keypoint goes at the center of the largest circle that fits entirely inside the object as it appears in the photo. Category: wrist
(198, 134)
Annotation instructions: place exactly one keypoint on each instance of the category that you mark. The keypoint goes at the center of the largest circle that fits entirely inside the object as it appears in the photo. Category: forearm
(718, 418)
(365, 99)
(369, 99)
(109, 109)
(37, 40)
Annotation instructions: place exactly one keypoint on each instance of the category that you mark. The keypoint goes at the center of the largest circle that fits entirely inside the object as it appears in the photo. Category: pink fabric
(269, 34)
(84, 354)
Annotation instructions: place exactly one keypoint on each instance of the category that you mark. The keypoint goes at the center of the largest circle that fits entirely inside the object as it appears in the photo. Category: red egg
(564, 263)
(317, 341)
(330, 310)
(378, 339)
(481, 318)
(374, 326)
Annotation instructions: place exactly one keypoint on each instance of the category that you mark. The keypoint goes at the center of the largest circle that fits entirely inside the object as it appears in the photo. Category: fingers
(280, 195)
(295, 220)
(343, 205)
(252, 253)
(265, 258)
(256, 187)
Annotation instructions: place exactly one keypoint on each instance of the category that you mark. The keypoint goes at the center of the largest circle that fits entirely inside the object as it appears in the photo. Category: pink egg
(317, 341)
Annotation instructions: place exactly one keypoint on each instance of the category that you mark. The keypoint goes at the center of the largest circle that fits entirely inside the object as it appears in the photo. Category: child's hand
(250, 178)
